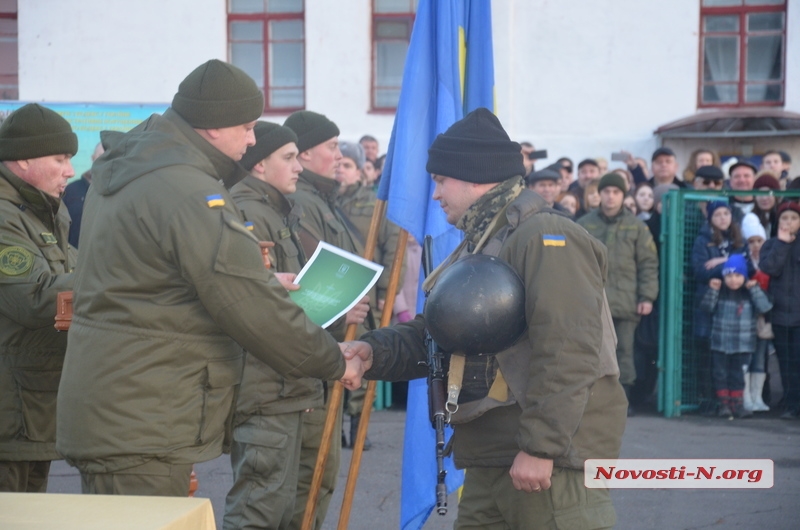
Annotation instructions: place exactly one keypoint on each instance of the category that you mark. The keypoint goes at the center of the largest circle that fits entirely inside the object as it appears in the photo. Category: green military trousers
(626, 329)
(151, 478)
(313, 424)
(265, 457)
(24, 476)
(490, 502)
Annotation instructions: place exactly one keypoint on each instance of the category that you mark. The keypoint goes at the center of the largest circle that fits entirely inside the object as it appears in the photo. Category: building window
(742, 52)
(266, 39)
(9, 56)
(392, 21)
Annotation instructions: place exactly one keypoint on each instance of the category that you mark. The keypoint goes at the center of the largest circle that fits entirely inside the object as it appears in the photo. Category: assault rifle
(437, 392)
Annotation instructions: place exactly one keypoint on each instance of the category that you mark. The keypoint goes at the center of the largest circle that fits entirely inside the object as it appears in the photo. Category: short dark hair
(785, 158)
(526, 144)
(771, 152)
(368, 138)
(588, 162)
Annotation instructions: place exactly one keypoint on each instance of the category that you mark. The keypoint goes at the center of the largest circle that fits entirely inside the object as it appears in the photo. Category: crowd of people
(185, 343)
(734, 318)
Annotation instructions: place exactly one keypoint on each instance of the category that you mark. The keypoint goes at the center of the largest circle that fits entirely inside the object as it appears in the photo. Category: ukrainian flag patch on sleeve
(214, 201)
(249, 225)
(551, 240)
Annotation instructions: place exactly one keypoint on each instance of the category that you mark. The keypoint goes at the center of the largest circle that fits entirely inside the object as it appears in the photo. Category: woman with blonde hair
(699, 158)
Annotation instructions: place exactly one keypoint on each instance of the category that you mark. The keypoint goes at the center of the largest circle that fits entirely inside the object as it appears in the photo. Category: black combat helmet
(477, 306)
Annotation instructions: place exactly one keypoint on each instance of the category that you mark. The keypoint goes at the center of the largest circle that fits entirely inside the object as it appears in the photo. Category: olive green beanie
(269, 138)
(311, 128)
(33, 131)
(217, 95)
(612, 179)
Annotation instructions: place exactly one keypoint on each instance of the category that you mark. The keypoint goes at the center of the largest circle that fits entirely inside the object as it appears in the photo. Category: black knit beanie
(311, 128)
(33, 131)
(269, 138)
(612, 179)
(217, 95)
(476, 149)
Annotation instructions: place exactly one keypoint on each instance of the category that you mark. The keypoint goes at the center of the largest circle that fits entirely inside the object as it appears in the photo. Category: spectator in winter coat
(735, 302)
(780, 258)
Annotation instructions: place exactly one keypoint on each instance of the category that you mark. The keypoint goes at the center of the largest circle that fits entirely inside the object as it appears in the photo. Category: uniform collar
(274, 197)
(227, 169)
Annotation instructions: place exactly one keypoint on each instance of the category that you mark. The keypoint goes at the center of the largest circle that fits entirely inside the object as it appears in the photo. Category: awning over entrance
(732, 123)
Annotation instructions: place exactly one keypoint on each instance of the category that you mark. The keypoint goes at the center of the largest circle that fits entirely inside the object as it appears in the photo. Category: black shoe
(344, 440)
(791, 414)
(725, 412)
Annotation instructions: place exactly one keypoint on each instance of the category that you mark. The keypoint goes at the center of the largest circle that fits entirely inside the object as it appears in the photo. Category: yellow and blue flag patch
(551, 240)
(249, 225)
(215, 200)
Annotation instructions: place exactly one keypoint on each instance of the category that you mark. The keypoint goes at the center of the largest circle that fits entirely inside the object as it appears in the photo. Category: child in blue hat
(735, 303)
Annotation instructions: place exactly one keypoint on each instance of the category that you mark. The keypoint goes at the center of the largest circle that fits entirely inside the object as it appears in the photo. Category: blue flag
(448, 72)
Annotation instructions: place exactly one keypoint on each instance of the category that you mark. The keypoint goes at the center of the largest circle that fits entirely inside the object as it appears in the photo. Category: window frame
(266, 17)
(741, 11)
(376, 17)
(9, 14)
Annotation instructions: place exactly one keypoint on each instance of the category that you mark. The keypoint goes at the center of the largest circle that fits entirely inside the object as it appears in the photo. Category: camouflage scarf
(479, 216)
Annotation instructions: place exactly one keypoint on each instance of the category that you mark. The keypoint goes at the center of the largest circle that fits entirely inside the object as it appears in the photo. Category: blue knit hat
(712, 206)
(735, 263)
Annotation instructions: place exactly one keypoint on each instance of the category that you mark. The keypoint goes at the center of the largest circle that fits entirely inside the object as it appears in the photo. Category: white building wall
(580, 78)
(584, 79)
(792, 101)
(115, 50)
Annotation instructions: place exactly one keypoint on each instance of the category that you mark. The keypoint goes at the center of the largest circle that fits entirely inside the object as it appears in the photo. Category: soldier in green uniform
(36, 262)
(633, 268)
(529, 416)
(265, 455)
(171, 288)
(317, 190)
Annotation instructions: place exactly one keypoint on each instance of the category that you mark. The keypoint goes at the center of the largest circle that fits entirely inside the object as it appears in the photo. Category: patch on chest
(250, 226)
(49, 238)
(15, 261)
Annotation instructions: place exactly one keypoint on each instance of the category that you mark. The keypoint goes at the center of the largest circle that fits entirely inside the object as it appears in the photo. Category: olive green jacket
(171, 286)
(357, 203)
(565, 402)
(632, 260)
(35, 265)
(272, 217)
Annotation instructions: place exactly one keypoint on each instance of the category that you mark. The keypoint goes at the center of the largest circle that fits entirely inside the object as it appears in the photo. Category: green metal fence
(683, 370)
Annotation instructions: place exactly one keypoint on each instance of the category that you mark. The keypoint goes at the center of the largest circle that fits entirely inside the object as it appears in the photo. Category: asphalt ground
(377, 499)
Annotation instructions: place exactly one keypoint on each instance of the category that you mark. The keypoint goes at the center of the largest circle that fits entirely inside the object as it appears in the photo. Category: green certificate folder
(332, 282)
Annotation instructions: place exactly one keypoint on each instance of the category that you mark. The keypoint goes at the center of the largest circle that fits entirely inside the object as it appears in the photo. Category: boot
(354, 421)
(747, 399)
(737, 403)
(756, 390)
(344, 439)
(724, 398)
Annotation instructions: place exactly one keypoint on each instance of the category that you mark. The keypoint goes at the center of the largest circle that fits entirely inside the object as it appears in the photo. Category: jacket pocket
(55, 258)
(38, 390)
(238, 253)
(220, 390)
